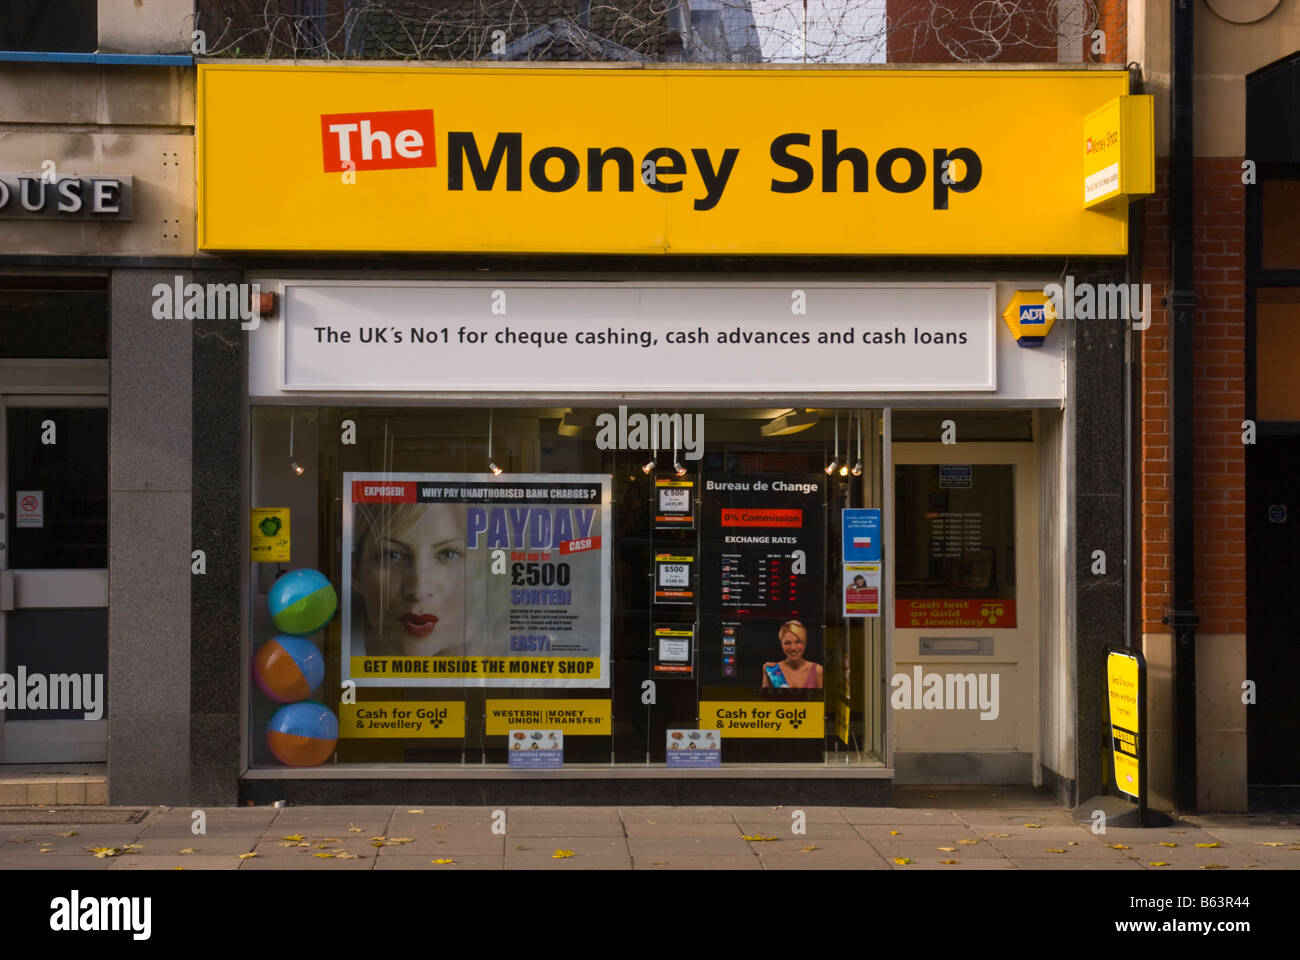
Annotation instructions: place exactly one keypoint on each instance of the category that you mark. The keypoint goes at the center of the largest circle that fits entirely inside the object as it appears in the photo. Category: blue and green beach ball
(302, 601)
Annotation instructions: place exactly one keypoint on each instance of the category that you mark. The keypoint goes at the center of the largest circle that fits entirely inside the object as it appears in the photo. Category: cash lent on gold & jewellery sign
(684, 161)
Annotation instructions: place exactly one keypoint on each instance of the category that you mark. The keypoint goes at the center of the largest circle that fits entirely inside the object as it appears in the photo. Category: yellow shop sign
(687, 160)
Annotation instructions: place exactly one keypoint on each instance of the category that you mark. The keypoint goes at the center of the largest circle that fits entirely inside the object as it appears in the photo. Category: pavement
(935, 828)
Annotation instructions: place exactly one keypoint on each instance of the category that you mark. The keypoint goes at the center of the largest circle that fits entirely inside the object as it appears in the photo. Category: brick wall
(921, 31)
(1219, 350)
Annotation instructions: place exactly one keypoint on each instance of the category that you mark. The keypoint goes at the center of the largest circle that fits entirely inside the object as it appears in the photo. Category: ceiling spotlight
(294, 465)
(679, 468)
(648, 465)
(492, 465)
(844, 469)
(832, 467)
(857, 468)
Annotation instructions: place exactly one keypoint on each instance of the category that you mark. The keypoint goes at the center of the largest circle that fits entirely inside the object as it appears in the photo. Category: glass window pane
(58, 488)
(1280, 243)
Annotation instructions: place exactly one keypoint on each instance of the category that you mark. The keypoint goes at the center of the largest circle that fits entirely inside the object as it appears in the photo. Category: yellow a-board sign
(683, 160)
(589, 717)
(1118, 162)
(1122, 689)
(793, 720)
(402, 719)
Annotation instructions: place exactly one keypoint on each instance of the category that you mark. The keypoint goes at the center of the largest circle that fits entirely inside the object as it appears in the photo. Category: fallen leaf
(1053, 850)
(894, 833)
(652, 822)
(353, 828)
(1270, 843)
(103, 852)
(1214, 866)
(1167, 843)
(999, 834)
(949, 861)
(947, 849)
(178, 868)
(347, 856)
(287, 843)
(440, 826)
(659, 863)
(443, 860)
(521, 847)
(323, 855)
(932, 796)
(967, 842)
(561, 854)
(758, 837)
(247, 856)
(303, 844)
(332, 840)
(810, 848)
(402, 839)
(1207, 846)
(1074, 843)
(902, 861)
(1294, 848)
(189, 850)
(292, 836)
(1158, 863)
(372, 838)
(70, 833)
(45, 850)
(415, 811)
(1119, 846)
(1034, 826)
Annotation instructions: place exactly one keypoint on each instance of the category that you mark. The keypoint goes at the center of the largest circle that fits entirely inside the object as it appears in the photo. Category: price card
(674, 504)
(674, 578)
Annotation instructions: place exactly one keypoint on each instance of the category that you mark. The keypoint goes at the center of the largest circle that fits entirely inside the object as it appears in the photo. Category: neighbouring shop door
(964, 686)
(53, 579)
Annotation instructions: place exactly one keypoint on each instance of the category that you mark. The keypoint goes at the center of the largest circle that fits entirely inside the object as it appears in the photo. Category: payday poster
(475, 580)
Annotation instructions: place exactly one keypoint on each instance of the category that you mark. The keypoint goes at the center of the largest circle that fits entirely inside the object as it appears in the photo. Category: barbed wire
(710, 31)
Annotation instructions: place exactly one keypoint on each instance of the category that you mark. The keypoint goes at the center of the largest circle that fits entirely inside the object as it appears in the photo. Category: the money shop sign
(690, 161)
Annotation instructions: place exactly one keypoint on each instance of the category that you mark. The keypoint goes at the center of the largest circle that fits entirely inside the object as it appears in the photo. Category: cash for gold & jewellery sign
(685, 160)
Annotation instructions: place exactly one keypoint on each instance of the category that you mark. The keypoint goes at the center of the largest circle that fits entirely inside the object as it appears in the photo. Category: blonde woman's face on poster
(413, 584)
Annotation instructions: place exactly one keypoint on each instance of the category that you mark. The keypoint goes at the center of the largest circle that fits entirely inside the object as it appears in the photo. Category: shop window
(1277, 354)
(55, 324)
(599, 587)
(1279, 242)
(61, 26)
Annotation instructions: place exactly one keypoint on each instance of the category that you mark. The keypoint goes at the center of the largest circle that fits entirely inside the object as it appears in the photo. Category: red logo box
(384, 140)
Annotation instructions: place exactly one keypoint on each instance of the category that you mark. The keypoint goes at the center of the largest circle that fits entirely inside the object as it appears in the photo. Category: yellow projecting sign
(1118, 157)
(633, 161)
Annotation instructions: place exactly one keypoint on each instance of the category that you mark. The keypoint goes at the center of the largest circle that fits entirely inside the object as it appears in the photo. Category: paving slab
(408, 862)
(682, 830)
(54, 863)
(948, 832)
(917, 849)
(576, 862)
(1034, 849)
(963, 863)
(1059, 863)
(698, 863)
(812, 829)
(895, 816)
(659, 847)
(479, 846)
(187, 861)
(678, 814)
(309, 863)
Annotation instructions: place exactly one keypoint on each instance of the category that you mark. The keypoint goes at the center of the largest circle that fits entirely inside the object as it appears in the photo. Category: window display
(580, 591)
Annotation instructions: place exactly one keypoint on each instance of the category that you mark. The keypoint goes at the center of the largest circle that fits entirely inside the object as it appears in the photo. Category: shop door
(1272, 568)
(53, 579)
(963, 688)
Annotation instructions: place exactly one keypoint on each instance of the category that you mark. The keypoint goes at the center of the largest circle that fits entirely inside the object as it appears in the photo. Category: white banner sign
(618, 337)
